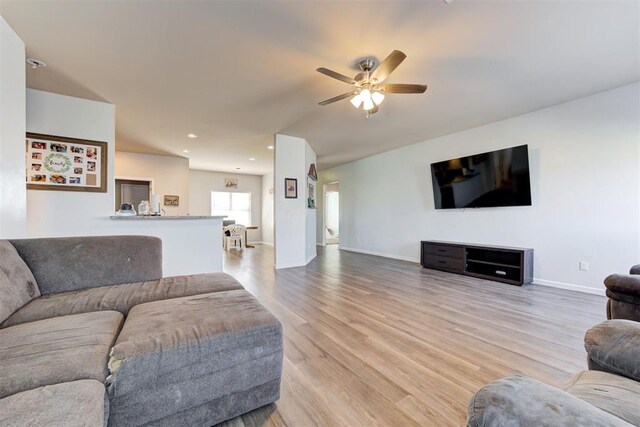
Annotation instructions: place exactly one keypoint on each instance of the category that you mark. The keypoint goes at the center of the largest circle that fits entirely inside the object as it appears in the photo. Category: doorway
(132, 191)
(332, 213)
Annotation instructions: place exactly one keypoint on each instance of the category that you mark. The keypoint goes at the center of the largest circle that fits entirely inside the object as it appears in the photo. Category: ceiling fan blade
(331, 73)
(404, 88)
(336, 98)
(387, 66)
(374, 110)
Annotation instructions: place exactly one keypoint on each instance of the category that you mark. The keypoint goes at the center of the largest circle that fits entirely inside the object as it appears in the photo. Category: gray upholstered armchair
(605, 395)
(623, 291)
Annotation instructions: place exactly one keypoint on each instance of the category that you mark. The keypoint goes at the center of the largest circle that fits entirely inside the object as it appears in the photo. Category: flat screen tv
(496, 178)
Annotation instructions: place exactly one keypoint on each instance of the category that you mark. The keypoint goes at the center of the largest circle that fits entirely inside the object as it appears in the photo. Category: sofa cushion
(56, 350)
(524, 402)
(612, 393)
(73, 404)
(62, 264)
(17, 284)
(190, 352)
(121, 297)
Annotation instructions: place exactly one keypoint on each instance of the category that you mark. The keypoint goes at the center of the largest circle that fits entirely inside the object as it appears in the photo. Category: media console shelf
(499, 263)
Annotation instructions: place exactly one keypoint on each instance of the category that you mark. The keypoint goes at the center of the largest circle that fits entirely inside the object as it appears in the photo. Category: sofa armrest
(635, 269)
(72, 263)
(614, 346)
(522, 401)
(624, 284)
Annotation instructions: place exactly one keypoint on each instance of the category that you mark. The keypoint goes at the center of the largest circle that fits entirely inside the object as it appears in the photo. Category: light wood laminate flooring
(374, 341)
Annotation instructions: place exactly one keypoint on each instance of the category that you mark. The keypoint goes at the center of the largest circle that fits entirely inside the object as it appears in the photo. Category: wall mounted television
(492, 179)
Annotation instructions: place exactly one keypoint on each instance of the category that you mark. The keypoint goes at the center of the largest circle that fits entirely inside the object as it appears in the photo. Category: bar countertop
(164, 217)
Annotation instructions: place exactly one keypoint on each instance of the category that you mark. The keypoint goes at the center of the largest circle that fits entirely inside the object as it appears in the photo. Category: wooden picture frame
(231, 183)
(290, 188)
(170, 200)
(311, 193)
(57, 163)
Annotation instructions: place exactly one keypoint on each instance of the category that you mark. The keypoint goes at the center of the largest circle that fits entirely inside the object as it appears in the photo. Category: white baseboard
(307, 261)
(283, 266)
(363, 251)
(320, 244)
(261, 243)
(569, 286)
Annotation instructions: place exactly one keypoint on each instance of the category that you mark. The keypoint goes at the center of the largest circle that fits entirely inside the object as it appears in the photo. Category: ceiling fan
(368, 90)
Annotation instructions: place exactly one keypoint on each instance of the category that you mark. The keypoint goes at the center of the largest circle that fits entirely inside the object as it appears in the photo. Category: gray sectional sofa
(92, 334)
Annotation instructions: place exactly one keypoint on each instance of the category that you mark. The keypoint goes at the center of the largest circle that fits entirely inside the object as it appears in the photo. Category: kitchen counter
(190, 244)
(164, 217)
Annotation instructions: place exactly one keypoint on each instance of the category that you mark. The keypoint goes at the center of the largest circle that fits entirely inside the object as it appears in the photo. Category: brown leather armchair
(623, 291)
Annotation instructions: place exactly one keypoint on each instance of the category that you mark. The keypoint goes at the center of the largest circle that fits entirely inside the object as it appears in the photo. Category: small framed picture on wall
(170, 200)
(230, 183)
(290, 188)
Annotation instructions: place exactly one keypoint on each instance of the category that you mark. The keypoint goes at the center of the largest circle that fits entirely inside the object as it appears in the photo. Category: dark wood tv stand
(498, 263)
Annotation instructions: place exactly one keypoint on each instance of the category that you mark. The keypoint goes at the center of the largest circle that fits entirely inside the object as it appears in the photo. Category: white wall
(63, 213)
(268, 193)
(13, 191)
(202, 183)
(189, 245)
(170, 176)
(294, 222)
(585, 177)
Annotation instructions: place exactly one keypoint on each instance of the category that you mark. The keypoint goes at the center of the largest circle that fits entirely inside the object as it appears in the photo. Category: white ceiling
(237, 72)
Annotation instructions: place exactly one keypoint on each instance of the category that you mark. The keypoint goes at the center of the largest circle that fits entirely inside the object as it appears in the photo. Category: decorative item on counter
(144, 208)
(155, 204)
(126, 210)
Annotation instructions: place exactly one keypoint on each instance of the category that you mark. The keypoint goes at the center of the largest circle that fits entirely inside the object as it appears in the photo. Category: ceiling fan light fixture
(377, 97)
(367, 103)
(356, 101)
(367, 88)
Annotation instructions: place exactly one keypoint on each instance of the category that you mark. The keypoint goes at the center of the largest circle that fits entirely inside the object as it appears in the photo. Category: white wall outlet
(583, 265)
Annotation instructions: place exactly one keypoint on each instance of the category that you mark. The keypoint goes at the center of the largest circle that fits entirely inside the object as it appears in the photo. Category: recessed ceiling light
(237, 169)
(192, 135)
(270, 147)
(252, 158)
(186, 151)
(36, 63)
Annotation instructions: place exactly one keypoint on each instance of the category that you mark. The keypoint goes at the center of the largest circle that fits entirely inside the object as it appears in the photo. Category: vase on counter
(144, 208)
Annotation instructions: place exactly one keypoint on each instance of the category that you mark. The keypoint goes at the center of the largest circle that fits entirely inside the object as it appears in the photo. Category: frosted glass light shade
(377, 97)
(356, 101)
(367, 104)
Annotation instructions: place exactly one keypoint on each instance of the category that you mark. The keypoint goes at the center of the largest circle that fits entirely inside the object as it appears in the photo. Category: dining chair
(236, 235)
